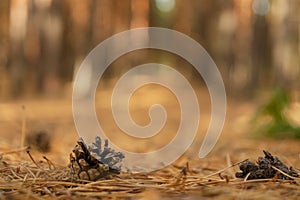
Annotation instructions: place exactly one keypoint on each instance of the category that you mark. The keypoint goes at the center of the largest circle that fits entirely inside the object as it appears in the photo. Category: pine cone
(92, 162)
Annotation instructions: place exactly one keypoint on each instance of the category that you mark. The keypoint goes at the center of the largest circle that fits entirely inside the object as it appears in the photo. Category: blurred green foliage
(279, 125)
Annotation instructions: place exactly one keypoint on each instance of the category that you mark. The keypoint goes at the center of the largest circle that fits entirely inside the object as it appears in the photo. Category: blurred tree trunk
(17, 32)
(4, 46)
(239, 68)
(184, 24)
(121, 22)
(67, 56)
(139, 13)
(286, 37)
(117, 18)
(205, 18)
(47, 29)
(51, 33)
(262, 69)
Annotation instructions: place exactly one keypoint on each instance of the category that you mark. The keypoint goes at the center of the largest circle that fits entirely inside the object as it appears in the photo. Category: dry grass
(42, 179)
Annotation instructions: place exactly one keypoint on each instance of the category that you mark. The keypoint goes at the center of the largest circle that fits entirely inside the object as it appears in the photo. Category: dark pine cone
(263, 168)
(92, 162)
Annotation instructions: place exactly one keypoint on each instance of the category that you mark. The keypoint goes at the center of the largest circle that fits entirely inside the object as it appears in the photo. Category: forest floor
(189, 177)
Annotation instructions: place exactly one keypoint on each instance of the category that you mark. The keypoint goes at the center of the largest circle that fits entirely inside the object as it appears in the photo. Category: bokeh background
(255, 43)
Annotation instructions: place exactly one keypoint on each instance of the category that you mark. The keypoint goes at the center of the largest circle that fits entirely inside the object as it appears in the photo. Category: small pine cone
(92, 162)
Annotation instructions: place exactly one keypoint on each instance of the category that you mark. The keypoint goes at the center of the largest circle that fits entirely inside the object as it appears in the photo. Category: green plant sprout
(279, 125)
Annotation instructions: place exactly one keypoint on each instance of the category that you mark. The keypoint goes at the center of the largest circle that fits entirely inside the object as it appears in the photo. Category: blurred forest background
(255, 43)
